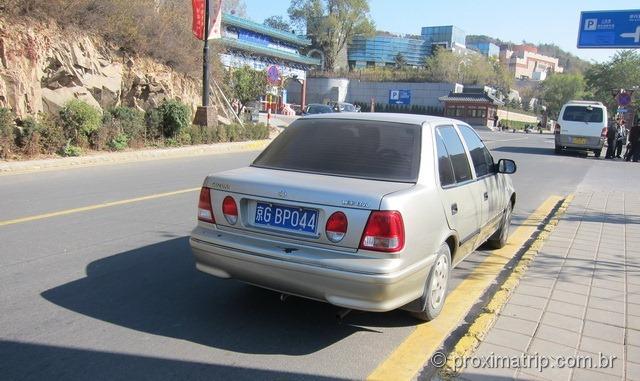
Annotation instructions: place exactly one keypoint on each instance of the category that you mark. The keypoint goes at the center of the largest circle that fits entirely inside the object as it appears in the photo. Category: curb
(481, 325)
(19, 167)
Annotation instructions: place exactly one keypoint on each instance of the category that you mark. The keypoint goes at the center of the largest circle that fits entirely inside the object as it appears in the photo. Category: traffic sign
(624, 99)
(609, 29)
(399, 97)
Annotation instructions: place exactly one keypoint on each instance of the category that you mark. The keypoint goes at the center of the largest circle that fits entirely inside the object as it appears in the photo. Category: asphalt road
(112, 293)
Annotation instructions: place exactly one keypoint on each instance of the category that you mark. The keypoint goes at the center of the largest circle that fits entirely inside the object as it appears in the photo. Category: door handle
(454, 208)
(486, 196)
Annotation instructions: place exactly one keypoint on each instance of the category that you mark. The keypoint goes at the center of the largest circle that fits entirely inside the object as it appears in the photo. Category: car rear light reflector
(205, 212)
(384, 232)
(336, 227)
(230, 210)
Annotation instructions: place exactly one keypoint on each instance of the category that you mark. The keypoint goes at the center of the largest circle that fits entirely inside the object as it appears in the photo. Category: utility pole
(205, 57)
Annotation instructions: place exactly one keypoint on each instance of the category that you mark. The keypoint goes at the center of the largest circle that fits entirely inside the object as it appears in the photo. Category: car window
(352, 148)
(452, 142)
(480, 156)
(583, 114)
(445, 168)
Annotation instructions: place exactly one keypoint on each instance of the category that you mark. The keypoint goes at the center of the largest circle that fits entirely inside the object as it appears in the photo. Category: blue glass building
(486, 48)
(382, 51)
(447, 36)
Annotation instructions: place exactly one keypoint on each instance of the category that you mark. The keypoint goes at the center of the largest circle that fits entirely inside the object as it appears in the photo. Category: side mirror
(507, 166)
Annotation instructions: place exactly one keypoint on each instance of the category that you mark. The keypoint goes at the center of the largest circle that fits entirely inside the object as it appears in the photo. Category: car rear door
(459, 190)
(492, 195)
(582, 120)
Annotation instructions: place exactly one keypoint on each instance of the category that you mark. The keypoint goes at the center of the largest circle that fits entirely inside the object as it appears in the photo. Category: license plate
(579, 140)
(285, 217)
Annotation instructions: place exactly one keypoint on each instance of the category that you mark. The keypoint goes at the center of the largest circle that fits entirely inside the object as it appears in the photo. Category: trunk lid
(259, 192)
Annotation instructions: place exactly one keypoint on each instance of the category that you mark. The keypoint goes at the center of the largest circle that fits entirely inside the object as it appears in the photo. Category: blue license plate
(285, 217)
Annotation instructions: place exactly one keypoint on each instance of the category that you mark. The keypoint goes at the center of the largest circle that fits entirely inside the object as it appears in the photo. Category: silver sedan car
(364, 211)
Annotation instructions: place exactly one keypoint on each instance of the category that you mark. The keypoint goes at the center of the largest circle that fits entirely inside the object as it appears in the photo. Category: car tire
(436, 286)
(558, 149)
(597, 153)
(499, 239)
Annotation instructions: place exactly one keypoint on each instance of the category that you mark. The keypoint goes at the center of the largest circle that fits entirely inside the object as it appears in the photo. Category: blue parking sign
(399, 97)
(609, 29)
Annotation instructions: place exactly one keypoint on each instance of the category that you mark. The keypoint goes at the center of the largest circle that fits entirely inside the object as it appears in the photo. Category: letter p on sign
(590, 24)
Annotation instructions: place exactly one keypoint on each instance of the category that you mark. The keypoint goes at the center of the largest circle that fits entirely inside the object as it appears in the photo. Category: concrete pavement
(576, 312)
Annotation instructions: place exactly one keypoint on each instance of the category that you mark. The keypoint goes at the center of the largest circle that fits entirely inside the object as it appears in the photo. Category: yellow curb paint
(94, 207)
(483, 323)
(411, 355)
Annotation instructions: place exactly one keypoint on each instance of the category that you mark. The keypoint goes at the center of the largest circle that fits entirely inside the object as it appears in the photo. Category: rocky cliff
(43, 66)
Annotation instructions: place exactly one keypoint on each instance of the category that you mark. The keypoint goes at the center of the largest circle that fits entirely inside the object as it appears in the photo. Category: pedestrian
(611, 142)
(634, 139)
(495, 119)
(621, 138)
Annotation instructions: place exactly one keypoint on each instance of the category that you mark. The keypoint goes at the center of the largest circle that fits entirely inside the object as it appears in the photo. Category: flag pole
(205, 57)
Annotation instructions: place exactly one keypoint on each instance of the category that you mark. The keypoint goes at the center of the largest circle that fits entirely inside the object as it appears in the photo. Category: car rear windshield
(351, 148)
(583, 114)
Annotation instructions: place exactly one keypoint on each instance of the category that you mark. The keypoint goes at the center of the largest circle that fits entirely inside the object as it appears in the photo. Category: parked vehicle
(364, 211)
(316, 108)
(344, 107)
(582, 125)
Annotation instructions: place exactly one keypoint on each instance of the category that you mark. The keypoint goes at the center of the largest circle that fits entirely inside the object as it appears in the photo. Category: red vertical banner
(198, 18)
(215, 19)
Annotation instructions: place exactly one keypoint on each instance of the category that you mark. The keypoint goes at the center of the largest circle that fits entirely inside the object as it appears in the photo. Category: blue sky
(534, 21)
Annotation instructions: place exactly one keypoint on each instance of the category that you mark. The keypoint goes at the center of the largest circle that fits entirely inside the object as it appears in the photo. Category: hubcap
(439, 282)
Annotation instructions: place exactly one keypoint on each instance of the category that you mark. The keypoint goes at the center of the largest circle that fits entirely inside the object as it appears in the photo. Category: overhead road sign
(609, 29)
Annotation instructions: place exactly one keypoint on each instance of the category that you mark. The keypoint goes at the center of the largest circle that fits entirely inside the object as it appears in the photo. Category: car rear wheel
(558, 149)
(499, 239)
(435, 290)
(597, 153)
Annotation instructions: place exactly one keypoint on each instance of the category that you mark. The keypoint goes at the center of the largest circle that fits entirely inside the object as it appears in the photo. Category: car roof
(387, 117)
(317, 104)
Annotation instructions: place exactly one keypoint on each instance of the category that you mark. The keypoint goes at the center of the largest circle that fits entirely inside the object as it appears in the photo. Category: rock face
(42, 67)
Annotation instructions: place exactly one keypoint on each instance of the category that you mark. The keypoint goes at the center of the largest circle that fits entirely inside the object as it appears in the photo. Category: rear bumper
(362, 291)
(571, 142)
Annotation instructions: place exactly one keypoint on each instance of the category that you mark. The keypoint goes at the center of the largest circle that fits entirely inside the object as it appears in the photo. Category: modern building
(525, 62)
(446, 37)
(247, 43)
(486, 48)
(475, 106)
(384, 50)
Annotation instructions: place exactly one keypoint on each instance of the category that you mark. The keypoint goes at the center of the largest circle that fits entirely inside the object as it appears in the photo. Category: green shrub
(153, 119)
(80, 120)
(172, 142)
(175, 117)
(195, 133)
(7, 134)
(235, 132)
(130, 121)
(28, 136)
(119, 142)
(70, 150)
(221, 133)
(257, 131)
(51, 134)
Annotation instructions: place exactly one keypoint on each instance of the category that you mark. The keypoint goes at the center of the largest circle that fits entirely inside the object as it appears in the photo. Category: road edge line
(483, 323)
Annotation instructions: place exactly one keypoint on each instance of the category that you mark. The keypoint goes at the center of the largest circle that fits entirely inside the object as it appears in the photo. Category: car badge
(282, 194)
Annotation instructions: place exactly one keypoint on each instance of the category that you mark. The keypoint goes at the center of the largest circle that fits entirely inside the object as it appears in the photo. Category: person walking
(611, 141)
(621, 138)
(634, 139)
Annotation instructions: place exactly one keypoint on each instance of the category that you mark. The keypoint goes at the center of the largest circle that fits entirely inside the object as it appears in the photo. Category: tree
(332, 24)
(558, 89)
(248, 84)
(277, 22)
(621, 72)
(400, 61)
(443, 66)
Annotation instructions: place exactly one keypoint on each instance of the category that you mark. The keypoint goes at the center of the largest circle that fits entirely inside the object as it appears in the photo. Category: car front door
(458, 189)
(492, 195)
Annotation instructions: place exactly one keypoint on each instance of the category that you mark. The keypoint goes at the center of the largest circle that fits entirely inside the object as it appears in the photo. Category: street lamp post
(205, 57)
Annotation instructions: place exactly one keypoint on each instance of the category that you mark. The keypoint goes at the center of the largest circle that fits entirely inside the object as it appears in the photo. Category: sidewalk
(578, 304)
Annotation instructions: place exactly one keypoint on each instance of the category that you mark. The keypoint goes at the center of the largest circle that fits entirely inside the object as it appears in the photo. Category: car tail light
(557, 129)
(384, 232)
(603, 133)
(205, 212)
(336, 227)
(230, 210)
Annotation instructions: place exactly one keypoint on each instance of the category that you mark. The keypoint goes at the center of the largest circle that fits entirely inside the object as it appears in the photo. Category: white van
(582, 125)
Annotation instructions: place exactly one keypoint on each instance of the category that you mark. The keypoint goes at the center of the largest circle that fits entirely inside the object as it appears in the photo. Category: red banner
(199, 15)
